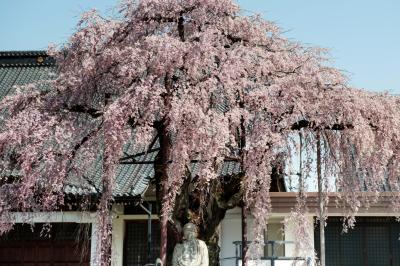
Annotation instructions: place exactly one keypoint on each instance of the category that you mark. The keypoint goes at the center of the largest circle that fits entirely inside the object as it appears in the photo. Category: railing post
(273, 257)
(273, 253)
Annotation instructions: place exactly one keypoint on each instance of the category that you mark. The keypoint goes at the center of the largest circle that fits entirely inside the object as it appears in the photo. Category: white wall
(290, 236)
(231, 231)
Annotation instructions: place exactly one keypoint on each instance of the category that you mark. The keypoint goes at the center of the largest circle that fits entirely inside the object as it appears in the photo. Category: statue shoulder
(178, 246)
(204, 253)
(202, 243)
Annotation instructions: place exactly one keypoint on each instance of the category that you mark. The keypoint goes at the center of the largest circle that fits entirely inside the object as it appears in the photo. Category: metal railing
(273, 257)
(157, 263)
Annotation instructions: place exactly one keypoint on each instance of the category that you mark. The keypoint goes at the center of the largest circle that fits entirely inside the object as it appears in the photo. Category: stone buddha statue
(192, 251)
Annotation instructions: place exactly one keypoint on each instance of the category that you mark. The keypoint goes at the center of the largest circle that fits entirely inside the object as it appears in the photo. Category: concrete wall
(230, 230)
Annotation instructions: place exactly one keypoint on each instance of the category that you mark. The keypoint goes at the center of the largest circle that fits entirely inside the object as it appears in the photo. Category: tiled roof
(18, 68)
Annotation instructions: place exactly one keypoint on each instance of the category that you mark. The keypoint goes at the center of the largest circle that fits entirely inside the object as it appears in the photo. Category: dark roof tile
(19, 68)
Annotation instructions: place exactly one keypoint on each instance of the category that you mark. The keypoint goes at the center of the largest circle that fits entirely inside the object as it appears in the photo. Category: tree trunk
(207, 215)
(162, 161)
(214, 249)
(161, 178)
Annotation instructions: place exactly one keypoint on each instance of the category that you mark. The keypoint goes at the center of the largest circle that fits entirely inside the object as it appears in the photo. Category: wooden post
(244, 235)
(164, 223)
(164, 235)
(321, 202)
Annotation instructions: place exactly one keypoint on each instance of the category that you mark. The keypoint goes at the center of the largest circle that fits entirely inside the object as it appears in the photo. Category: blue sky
(363, 35)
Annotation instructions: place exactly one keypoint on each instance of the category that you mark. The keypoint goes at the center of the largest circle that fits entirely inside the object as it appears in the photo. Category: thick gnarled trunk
(207, 211)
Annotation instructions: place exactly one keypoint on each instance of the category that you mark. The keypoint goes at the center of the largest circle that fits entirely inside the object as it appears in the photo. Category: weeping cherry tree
(212, 85)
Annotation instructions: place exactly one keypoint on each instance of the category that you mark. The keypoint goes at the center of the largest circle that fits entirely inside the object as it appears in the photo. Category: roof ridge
(26, 64)
(25, 59)
(23, 53)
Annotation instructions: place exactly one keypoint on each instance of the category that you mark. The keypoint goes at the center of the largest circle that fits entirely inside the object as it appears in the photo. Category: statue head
(189, 231)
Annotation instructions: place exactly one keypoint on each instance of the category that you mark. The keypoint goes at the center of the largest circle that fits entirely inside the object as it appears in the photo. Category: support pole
(321, 202)
(148, 210)
(244, 235)
(149, 234)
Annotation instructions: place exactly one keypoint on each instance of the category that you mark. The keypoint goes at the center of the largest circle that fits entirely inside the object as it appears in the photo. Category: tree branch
(94, 113)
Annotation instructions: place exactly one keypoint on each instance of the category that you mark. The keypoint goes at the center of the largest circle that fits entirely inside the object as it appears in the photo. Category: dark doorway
(136, 243)
(373, 242)
(60, 245)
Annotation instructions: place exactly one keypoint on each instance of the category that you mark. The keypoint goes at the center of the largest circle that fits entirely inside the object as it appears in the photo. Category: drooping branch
(87, 138)
(312, 125)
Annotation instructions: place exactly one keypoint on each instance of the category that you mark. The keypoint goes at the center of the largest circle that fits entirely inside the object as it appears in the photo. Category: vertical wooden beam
(321, 202)
(244, 235)
(164, 227)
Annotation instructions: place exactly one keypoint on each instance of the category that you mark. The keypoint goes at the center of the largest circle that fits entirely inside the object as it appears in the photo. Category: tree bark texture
(161, 178)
